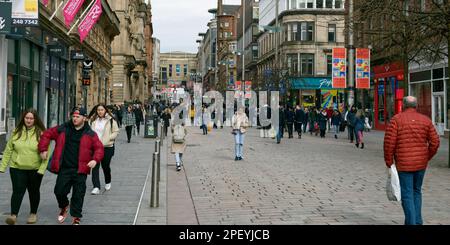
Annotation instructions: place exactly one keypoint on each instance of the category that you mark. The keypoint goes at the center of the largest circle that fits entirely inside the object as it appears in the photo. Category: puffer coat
(411, 140)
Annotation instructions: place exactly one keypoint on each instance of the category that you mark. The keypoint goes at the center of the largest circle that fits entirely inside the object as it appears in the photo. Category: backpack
(178, 134)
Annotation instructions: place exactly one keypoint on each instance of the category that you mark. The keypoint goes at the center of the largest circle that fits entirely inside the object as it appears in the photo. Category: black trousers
(351, 132)
(299, 128)
(205, 129)
(129, 129)
(106, 166)
(290, 129)
(23, 180)
(322, 132)
(138, 126)
(70, 179)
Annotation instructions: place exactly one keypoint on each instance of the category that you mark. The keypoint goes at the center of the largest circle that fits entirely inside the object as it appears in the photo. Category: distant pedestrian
(205, 121)
(78, 149)
(359, 128)
(322, 120)
(139, 117)
(166, 117)
(412, 141)
(313, 121)
(26, 166)
(290, 119)
(299, 119)
(240, 123)
(178, 147)
(350, 122)
(107, 131)
(336, 122)
(305, 120)
(281, 124)
(129, 121)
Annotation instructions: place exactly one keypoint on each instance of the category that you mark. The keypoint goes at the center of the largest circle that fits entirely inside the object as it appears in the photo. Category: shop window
(422, 91)
(25, 54)
(11, 51)
(420, 76)
(438, 73)
(438, 86)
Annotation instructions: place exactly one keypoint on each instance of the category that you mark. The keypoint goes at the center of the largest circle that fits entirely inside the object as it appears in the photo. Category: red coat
(91, 148)
(411, 140)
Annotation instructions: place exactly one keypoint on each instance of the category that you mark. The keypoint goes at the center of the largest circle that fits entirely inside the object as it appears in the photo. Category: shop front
(316, 92)
(389, 93)
(428, 85)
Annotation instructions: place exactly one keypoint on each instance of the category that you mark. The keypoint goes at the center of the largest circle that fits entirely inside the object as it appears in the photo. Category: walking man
(77, 151)
(412, 141)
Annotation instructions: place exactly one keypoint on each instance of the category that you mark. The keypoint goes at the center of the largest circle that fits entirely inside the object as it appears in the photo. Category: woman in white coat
(240, 124)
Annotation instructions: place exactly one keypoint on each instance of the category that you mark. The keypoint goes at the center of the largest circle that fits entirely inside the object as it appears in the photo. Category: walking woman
(166, 116)
(107, 129)
(359, 128)
(129, 121)
(26, 166)
(240, 124)
(336, 122)
(178, 147)
(323, 118)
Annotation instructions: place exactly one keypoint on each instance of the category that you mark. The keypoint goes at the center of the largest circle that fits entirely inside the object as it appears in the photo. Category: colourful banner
(89, 21)
(45, 2)
(363, 68)
(70, 10)
(238, 90)
(339, 67)
(327, 98)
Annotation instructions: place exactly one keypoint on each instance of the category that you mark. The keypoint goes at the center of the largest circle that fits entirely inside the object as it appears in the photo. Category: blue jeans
(411, 192)
(239, 146)
(178, 159)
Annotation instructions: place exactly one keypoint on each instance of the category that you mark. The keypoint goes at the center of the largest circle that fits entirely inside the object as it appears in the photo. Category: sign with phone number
(25, 22)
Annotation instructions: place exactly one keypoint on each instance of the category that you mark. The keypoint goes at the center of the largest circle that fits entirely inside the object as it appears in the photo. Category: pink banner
(71, 9)
(45, 2)
(89, 21)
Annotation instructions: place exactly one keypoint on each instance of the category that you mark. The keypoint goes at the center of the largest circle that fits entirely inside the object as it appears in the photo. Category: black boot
(357, 145)
(362, 145)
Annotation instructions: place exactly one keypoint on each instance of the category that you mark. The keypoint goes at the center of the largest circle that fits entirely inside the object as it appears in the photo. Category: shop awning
(311, 83)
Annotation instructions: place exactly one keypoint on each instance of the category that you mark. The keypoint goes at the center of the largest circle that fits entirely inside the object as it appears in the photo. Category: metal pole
(351, 58)
(157, 145)
(243, 41)
(154, 198)
(158, 163)
(276, 31)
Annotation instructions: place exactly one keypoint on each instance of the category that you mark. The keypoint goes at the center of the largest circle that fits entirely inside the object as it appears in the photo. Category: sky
(176, 23)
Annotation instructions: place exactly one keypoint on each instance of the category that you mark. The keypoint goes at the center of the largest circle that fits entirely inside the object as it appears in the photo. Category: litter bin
(151, 126)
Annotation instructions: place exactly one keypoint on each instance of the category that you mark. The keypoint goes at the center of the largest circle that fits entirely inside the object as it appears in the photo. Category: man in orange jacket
(412, 141)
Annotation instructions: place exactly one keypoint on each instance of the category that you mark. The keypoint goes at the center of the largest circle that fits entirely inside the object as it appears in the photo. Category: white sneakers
(95, 191)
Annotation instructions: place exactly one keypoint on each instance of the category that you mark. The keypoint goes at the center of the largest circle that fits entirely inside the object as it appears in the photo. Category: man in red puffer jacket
(412, 141)
(77, 151)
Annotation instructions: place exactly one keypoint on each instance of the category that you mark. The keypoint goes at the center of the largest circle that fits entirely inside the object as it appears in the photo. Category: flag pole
(54, 13)
(76, 23)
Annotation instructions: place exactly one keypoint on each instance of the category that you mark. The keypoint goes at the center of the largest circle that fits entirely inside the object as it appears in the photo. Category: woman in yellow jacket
(26, 166)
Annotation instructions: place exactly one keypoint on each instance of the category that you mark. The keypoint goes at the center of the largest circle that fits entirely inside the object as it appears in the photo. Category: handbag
(393, 191)
(234, 131)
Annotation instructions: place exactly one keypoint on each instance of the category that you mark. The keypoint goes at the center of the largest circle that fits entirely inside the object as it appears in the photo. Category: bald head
(409, 102)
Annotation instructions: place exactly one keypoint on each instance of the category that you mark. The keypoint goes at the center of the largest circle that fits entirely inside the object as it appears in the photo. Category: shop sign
(311, 83)
(77, 55)
(25, 13)
(86, 81)
(56, 50)
(5, 17)
(88, 65)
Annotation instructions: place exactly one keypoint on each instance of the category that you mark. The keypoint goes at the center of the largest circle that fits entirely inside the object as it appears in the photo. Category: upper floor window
(329, 4)
(299, 31)
(331, 33)
(319, 4)
(338, 4)
(307, 31)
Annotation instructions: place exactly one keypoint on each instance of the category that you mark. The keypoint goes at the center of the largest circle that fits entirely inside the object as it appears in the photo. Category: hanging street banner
(70, 10)
(248, 89)
(45, 2)
(238, 89)
(25, 13)
(5, 17)
(363, 68)
(90, 20)
(339, 68)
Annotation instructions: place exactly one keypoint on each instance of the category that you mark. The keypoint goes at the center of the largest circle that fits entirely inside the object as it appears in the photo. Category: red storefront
(389, 92)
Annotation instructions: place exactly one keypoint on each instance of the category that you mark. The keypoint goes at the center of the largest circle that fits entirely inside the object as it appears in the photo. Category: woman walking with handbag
(240, 124)
(26, 166)
(107, 129)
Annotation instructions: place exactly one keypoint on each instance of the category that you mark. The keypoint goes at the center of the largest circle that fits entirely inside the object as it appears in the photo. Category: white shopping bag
(393, 185)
